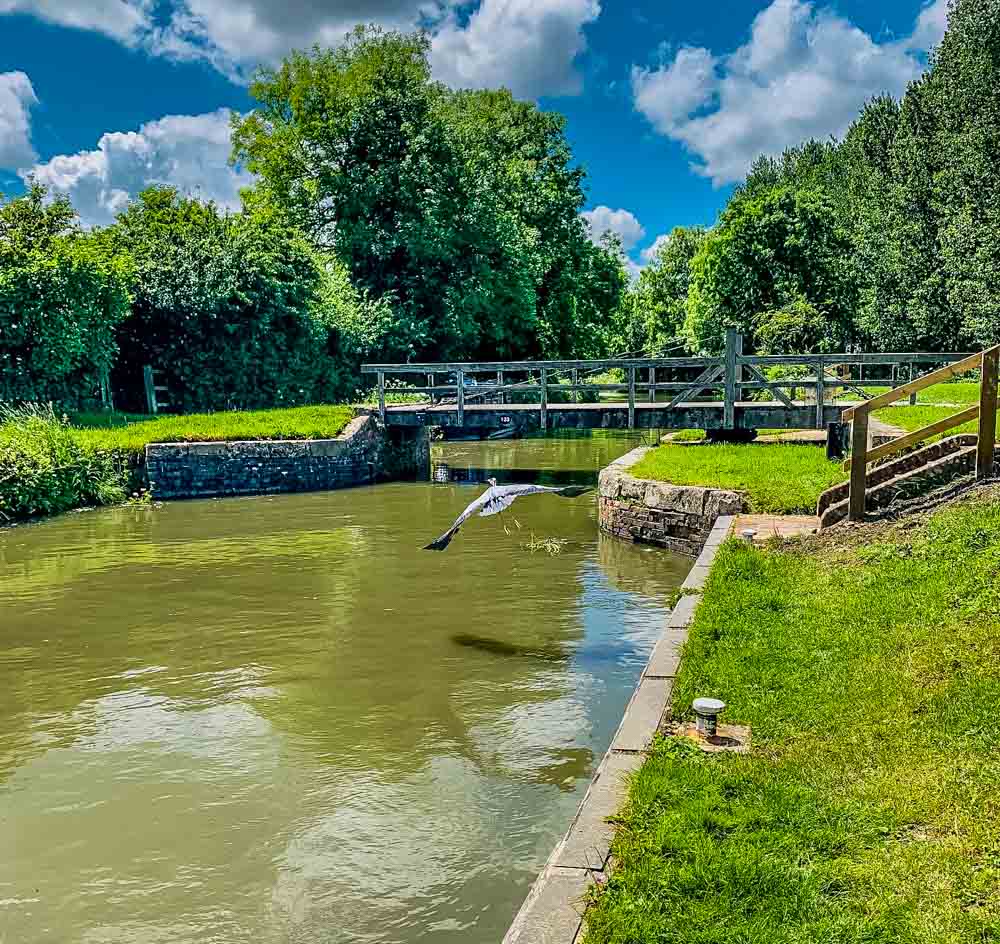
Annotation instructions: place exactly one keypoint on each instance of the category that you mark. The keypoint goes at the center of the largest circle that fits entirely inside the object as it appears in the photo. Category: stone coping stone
(553, 912)
(588, 843)
(643, 714)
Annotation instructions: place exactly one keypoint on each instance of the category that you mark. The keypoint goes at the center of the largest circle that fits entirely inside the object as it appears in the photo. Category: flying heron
(495, 499)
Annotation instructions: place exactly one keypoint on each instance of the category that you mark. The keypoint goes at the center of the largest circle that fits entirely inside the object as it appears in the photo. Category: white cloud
(649, 253)
(603, 219)
(124, 20)
(16, 96)
(805, 72)
(189, 152)
(529, 46)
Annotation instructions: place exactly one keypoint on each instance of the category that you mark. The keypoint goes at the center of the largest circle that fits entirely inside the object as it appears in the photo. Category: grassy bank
(868, 666)
(48, 465)
(777, 478)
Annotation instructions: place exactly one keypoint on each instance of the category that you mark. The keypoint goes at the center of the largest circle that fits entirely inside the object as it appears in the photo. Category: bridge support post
(734, 347)
(631, 398)
(987, 414)
(543, 402)
(820, 395)
(460, 396)
(381, 396)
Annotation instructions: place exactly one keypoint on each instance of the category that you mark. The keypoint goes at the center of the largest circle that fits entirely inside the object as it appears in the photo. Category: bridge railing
(727, 379)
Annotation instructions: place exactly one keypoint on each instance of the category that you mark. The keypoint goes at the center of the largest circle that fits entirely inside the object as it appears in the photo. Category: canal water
(277, 719)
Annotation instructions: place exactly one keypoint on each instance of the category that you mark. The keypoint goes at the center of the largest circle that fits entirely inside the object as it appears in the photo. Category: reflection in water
(277, 719)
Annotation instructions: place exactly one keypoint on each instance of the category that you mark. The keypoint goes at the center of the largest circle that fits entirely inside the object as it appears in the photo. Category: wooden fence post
(543, 401)
(430, 383)
(820, 395)
(987, 414)
(652, 385)
(147, 380)
(859, 465)
(575, 379)
(381, 395)
(734, 341)
(631, 398)
(460, 397)
(503, 395)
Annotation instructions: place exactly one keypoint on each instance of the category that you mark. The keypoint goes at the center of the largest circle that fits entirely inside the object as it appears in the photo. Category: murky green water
(276, 719)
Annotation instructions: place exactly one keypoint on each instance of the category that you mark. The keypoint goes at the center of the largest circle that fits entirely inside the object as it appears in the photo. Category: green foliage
(866, 669)
(768, 252)
(780, 478)
(797, 327)
(458, 209)
(45, 469)
(652, 314)
(236, 310)
(61, 297)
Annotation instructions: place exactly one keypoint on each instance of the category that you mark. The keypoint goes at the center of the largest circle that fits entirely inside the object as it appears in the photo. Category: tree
(236, 310)
(766, 252)
(62, 294)
(460, 209)
(652, 319)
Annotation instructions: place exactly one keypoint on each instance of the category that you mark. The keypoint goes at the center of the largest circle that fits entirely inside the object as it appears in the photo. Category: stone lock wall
(362, 454)
(677, 517)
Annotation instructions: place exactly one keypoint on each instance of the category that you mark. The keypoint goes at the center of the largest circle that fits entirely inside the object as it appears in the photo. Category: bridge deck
(749, 414)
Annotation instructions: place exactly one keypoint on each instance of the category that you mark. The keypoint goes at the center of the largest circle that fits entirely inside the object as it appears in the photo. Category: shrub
(44, 469)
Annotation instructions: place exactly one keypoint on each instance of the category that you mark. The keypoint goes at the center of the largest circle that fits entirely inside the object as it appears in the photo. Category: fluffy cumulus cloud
(189, 152)
(804, 72)
(16, 98)
(603, 220)
(528, 45)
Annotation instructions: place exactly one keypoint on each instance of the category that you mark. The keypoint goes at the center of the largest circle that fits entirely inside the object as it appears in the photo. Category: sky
(666, 101)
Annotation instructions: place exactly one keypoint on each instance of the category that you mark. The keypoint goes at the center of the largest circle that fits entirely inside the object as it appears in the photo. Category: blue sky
(666, 102)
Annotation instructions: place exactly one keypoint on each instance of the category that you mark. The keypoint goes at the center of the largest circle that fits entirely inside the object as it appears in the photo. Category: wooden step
(889, 469)
(908, 484)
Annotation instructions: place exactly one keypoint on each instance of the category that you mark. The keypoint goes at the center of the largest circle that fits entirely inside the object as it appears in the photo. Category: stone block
(666, 656)
(553, 911)
(643, 714)
(588, 841)
(329, 448)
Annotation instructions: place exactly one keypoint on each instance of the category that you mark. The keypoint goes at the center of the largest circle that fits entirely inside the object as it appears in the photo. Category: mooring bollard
(748, 534)
(706, 711)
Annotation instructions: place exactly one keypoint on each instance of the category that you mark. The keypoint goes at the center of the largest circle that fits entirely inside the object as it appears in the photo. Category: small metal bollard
(706, 711)
(748, 535)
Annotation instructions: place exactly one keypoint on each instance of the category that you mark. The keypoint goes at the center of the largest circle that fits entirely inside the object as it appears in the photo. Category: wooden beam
(918, 435)
(381, 396)
(733, 342)
(987, 414)
(769, 385)
(820, 395)
(544, 399)
(652, 385)
(147, 380)
(859, 468)
(704, 379)
(928, 380)
(460, 395)
(631, 398)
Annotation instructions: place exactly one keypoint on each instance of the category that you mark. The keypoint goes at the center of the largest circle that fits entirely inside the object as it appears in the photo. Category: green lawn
(868, 809)
(129, 433)
(909, 418)
(960, 391)
(778, 478)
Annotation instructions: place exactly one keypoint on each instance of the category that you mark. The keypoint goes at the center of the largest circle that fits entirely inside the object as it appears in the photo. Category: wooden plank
(574, 382)
(381, 396)
(652, 385)
(729, 395)
(460, 395)
(775, 388)
(705, 378)
(987, 414)
(631, 398)
(543, 402)
(487, 367)
(872, 360)
(921, 383)
(918, 435)
(859, 468)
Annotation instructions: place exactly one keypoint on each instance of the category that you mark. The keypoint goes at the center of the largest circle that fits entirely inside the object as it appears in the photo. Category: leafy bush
(61, 297)
(45, 469)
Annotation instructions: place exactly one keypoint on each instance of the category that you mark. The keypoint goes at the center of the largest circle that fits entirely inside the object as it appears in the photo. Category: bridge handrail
(987, 361)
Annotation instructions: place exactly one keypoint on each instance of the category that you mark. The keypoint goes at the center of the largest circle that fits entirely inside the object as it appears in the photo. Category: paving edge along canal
(553, 911)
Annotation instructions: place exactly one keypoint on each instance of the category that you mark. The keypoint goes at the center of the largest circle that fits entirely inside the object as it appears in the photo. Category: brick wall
(363, 453)
(677, 517)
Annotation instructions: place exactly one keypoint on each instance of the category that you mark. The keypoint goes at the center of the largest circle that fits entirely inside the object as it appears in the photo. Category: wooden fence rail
(733, 375)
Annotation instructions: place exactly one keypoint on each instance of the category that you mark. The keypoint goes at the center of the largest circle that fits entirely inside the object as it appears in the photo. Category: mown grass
(959, 391)
(304, 422)
(779, 478)
(868, 809)
(910, 418)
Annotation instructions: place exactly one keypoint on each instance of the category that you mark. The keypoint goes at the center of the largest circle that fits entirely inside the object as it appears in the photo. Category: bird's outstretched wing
(440, 543)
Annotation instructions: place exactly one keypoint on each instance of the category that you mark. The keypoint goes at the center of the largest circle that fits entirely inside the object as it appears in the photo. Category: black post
(837, 435)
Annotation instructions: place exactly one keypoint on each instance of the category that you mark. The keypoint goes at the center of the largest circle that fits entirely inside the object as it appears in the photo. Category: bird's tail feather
(439, 544)
(572, 491)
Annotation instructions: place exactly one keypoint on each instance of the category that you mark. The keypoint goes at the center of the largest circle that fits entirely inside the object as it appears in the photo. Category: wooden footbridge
(732, 393)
